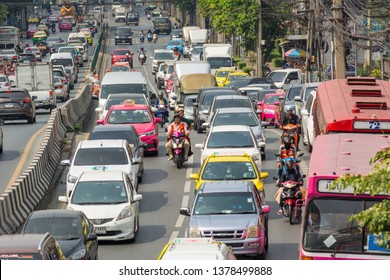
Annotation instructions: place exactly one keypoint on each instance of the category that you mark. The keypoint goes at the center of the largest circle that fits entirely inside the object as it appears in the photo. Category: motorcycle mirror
(275, 178)
(303, 176)
(300, 154)
(277, 154)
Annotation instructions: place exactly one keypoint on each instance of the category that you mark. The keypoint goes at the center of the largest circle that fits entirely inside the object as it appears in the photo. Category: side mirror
(259, 103)
(297, 99)
(137, 197)
(281, 98)
(153, 96)
(157, 120)
(276, 103)
(205, 112)
(63, 199)
(305, 113)
(34, 97)
(151, 57)
(265, 209)
(194, 176)
(174, 97)
(258, 111)
(65, 162)
(154, 109)
(100, 121)
(263, 175)
(206, 125)
(185, 211)
(301, 154)
(287, 81)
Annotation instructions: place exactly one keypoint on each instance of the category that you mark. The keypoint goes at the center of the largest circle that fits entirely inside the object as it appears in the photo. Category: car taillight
(51, 94)
(79, 57)
(59, 86)
(6, 84)
(27, 100)
(63, 81)
(14, 57)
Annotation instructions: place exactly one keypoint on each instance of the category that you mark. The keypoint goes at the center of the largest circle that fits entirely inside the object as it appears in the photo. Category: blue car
(175, 43)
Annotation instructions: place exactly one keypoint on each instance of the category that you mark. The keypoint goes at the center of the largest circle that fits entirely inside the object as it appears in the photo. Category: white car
(60, 89)
(230, 140)
(160, 56)
(106, 155)
(35, 51)
(80, 47)
(308, 121)
(109, 201)
(120, 15)
(4, 82)
(159, 76)
(115, 6)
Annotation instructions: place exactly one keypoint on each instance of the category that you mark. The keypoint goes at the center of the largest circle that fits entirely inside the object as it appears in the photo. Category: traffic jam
(256, 156)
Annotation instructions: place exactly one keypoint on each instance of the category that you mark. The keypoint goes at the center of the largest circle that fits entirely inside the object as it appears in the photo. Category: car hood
(223, 222)
(77, 170)
(143, 127)
(230, 151)
(101, 211)
(69, 247)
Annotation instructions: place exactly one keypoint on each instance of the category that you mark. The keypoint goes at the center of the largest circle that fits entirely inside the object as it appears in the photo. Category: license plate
(124, 41)
(9, 105)
(100, 230)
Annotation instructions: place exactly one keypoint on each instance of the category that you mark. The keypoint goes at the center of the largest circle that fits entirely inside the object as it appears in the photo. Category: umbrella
(295, 53)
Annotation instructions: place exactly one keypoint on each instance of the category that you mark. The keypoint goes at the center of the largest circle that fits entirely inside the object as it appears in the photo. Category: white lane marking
(188, 173)
(184, 202)
(147, 79)
(179, 221)
(187, 186)
(173, 235)
(191, 160)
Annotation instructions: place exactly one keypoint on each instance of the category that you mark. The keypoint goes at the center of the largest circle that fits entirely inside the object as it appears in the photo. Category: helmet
(142, 48)
(244, 92)
(287, 142)
(160, 93)
(289, 163)
(289, 108)
(176, 116)
(127, 54)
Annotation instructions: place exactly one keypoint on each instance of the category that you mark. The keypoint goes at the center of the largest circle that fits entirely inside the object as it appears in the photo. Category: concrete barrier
(23, 197)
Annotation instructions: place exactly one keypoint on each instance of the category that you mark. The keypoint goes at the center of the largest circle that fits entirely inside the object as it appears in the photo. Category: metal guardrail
(97, 50)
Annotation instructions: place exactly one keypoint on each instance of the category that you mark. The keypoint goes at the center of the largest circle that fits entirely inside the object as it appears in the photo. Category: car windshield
(8, 52)
(109, 134)
(53, 39)
(120, 52)
(175, 43)
(62, 228)
(246, 118)
(120, 68)
(329, 219)
(163, 56)
(292, 92)
(235, 77)
(277, 77)
(128, 116)
(12, 94)
(189, 101)
(176, 32)
(106, 90)
(101, 156)
(229, 103)
(230, 139)
(242, 82)
(161, 20)
(234, 170)
(26, 56)
(225, 203)
(123, 31)
(222, 74)
(209, 97)
(198, 51)
(3, 79)
(114, 100)
(99, 192)
(272, 99)
(218, 62)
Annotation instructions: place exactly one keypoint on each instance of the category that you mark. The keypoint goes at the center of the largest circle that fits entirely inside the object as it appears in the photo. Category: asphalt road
(165, 188)
(22, 140)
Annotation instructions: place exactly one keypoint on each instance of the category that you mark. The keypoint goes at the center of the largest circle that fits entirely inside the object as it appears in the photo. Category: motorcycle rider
(149, 35)
(142, 51)
(290, 173)
(176, 52)
(53, 27)
(162, 101)
(291, 118)
(27, 45)
(142, 36)
(177, 125)
(129, 59)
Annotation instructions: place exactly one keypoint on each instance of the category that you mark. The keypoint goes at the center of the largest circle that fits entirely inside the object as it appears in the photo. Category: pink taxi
(268, 106)
(66, 24)
(140, 117)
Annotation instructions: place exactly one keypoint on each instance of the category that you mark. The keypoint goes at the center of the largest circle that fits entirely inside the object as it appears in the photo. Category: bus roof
(344, 102)
(338, 154)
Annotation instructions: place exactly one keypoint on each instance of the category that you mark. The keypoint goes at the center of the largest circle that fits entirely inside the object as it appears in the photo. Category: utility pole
(309, 42)
(369, 43)
(318, 33)
(259, 45)
(338, 39)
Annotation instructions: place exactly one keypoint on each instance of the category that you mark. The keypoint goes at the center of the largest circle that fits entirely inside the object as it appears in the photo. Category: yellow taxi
(196, 249)
(221, 74)
(43, 27)
(234, 76)
(33, 18)
(39, 36)
(230, 167)
(88, 35)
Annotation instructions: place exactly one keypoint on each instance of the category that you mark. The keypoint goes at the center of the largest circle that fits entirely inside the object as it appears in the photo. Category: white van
(122, 82)
(66, 60)
(79, 36)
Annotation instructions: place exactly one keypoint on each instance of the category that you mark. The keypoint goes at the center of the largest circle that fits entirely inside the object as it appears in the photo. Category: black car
(239, 83)
(125, 132)
(132, 18)
(56, 46)
(50, 41)
(27, 57)
(123, 34)
(16, 104)
(203, 102)
(73, 231)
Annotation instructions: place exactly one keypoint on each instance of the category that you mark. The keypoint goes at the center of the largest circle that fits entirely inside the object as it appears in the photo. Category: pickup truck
(284, 78)
(37, 78)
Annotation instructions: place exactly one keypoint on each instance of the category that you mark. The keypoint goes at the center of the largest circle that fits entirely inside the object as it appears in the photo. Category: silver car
(1, 140)
(4, 82)
(231, 212)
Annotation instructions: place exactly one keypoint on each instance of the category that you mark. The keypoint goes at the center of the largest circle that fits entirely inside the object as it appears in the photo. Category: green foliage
(376, 73)
(241, 64)
(236, 59)
(3, 11)
(184, 5)
(377, 218)
(274, 54)
(364, 72)
(247, 69)
(277, 62)
(76, 127)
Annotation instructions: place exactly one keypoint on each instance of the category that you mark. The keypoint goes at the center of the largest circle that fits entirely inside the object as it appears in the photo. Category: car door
(90, 245)
(305, 117)
(135, 168)
(134, 205)
(310, 121)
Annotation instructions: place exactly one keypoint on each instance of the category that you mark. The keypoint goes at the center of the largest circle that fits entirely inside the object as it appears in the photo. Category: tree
(377, 218)
(3, 12)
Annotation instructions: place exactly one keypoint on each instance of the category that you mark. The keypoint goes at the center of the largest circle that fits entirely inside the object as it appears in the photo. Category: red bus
(327, 232)
(359, 105)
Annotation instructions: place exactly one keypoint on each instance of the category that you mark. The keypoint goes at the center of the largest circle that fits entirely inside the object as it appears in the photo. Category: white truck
(217, 55)
(284, 78)
(37, 78)
(198, 37)
(186, 39)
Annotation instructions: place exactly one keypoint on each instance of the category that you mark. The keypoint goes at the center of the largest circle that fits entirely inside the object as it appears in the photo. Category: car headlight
(253, 232)
(194, 233)
(78, 255)
(124, 214)
(72, 179)
(149, 133)
(269, 111)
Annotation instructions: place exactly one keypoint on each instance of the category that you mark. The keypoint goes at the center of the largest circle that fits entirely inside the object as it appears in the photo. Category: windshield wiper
(347, 235)
(245, 212)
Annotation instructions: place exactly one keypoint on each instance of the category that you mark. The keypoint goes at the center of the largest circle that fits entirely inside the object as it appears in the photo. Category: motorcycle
(161, 113)
(178, 148)
(142, 39)
(53, 29)
(292, 204)
(155, 38)
(142, 58)
(150, 37)
(290, 130)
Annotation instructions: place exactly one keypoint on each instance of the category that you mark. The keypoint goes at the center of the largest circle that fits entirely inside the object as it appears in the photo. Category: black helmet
(289, 163)
(287, 142)
(160, 93)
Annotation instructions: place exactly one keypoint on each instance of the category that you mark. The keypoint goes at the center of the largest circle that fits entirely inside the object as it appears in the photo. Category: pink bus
(327, 232)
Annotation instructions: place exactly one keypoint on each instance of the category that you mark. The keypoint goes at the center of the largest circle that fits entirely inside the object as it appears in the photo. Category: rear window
(161, 20)
(228, 103)
(66, 62)
(101, 156)
(117, 101)
(112, 135)
(123, 31)
(3, 79)
(106, 90)
(16, 94)
(82, 39)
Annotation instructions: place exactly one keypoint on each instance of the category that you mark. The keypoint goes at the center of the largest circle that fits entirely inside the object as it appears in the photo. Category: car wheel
(195, 125)
(263, 156)
(35, 119)
(30, 120)
(116, 43)
(140, 178)
(199, 129)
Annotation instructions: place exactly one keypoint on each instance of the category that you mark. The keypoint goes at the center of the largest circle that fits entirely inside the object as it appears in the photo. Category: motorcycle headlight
(253, 232)
(149, 133)
(124, 214)
(80, 254)
(194, 233)
(72, 179)
(269, 111)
